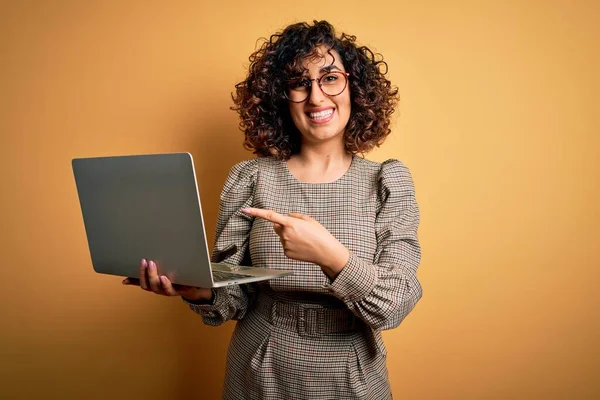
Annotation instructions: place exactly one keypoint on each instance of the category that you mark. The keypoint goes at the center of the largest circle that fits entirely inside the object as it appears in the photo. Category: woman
(346, 226)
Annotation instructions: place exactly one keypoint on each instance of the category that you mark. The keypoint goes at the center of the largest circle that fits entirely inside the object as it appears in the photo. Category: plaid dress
(304, 336)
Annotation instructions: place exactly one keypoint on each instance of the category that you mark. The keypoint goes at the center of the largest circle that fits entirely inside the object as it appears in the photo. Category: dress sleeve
(383, 292)
(231, 245)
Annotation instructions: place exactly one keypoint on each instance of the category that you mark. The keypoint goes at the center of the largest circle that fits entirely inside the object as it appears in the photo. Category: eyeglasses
(331, 84)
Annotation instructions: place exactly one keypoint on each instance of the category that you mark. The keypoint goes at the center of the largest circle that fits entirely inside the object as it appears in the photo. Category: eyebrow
(329, 68)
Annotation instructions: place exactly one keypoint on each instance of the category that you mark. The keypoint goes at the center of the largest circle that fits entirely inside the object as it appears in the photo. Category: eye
(329, 78)
(299, 84)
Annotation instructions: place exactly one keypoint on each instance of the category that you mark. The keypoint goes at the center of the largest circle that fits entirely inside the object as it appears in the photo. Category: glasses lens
(298, 89)
(333, 83)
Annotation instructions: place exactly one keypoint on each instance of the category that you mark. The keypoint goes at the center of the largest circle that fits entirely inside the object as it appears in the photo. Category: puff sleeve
(231, 244)
(384, 291)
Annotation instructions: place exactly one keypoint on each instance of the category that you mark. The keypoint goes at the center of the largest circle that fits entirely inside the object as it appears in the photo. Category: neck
(323, 154)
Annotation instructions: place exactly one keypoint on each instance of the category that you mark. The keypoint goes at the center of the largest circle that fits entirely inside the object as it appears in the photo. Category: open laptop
(148, 206)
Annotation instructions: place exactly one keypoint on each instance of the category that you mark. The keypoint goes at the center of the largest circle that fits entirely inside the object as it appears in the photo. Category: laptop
(148, 206)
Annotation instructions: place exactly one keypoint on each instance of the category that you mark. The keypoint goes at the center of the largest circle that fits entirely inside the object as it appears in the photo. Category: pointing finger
(301, 216)
(269, 215)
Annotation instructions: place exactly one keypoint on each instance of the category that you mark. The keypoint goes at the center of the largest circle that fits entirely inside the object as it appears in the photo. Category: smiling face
(322, 118)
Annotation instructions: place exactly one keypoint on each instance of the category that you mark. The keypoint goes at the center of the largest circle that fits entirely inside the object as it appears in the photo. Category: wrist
(335, 260)
(201, 294)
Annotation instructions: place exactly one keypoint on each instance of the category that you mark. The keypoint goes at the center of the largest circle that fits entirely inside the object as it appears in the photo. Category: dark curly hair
(260, 99)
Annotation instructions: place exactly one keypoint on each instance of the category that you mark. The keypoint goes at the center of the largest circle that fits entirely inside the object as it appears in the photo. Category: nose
(316, 95)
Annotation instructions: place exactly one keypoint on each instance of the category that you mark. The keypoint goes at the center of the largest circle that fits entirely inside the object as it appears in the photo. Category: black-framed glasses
(332, 83)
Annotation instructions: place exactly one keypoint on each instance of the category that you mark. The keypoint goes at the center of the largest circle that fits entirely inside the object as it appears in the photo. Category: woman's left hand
(305, 239)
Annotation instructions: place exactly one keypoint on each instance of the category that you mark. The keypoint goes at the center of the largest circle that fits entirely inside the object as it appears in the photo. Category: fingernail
(163, 279)
(152, 265)
(144, 263)
(245, 210)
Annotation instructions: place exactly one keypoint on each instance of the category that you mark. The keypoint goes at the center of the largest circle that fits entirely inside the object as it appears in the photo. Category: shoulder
(254, 164)
(246, 173)
(390, 170)
(391, 178)
(246, 167)
(396, 186)
(242, 175)
(394, 170)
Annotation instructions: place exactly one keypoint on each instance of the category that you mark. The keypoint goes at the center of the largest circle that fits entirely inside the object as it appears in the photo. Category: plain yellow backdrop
(498, 122)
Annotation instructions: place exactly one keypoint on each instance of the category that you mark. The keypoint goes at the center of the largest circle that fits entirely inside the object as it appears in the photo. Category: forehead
(322, 57)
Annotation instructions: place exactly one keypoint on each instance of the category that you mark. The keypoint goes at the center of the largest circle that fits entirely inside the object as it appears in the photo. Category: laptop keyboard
(219, 276)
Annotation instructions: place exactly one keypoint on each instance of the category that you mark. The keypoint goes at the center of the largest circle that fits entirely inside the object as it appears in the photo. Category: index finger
(269, 215)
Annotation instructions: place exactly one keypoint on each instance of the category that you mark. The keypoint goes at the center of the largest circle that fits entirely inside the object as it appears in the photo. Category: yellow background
(499, 124)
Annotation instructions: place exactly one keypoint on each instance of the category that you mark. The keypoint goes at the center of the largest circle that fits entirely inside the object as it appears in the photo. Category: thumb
(278, 228)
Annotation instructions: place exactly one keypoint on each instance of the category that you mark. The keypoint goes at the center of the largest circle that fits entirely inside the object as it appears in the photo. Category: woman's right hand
(150, 281)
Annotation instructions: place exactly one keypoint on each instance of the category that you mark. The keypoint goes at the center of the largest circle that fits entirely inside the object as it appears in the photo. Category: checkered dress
(304, 336)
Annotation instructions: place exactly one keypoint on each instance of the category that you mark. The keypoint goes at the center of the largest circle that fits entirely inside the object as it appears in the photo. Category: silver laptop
(148, 206)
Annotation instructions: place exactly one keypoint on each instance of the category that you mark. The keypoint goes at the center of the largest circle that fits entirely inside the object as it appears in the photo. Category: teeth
(321, 114)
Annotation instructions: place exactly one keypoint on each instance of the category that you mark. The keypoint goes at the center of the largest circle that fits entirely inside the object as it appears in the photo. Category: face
(322, 118)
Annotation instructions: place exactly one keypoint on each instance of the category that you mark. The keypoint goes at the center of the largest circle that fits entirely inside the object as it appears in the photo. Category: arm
(383, 292)
(231, 245)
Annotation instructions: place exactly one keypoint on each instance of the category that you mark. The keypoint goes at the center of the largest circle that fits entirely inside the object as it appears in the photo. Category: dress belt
(307, 319)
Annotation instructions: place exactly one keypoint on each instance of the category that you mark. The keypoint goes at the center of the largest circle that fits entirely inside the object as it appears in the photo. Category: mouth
(321, 116)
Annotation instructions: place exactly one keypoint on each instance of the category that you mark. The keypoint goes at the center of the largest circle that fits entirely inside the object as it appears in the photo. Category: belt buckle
(305, 323)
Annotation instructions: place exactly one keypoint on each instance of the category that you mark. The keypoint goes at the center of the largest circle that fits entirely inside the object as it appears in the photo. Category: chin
(323, 136)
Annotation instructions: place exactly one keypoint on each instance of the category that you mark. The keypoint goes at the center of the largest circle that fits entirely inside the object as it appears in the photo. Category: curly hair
(260, 98)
